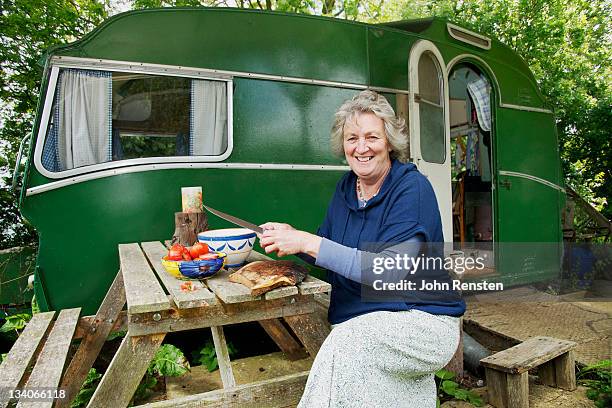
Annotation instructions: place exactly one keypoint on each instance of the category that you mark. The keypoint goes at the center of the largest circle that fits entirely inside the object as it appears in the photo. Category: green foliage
(15, 322)
(207, 355)
(87, 389)
(116, 335)
(346, 9)
(35, 307)
(449, 388)
(598, 378)
(169, 361)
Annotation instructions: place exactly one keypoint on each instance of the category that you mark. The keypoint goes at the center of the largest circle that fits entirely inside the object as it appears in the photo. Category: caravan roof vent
(470, 37)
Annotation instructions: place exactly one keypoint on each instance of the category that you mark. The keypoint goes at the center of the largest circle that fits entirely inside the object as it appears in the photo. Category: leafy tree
(27, 29)
(347, 9)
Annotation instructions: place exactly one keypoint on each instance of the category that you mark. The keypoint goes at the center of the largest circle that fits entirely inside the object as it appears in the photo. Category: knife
(236, 220)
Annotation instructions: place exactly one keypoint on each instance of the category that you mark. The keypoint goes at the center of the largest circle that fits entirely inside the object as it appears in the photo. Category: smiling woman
(386, 201)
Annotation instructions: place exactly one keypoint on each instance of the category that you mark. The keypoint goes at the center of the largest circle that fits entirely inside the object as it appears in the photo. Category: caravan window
(431, 110)
(99, 117)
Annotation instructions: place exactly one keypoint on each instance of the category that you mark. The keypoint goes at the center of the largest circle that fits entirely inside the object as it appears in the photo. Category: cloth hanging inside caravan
(479, 91)
(81, 132)
(208, 118)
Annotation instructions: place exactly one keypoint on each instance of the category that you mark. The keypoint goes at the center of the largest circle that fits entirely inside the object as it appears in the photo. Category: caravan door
(429, 129)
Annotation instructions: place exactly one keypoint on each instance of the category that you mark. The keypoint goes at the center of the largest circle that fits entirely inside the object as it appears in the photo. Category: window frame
(141, 68)
(430, 50)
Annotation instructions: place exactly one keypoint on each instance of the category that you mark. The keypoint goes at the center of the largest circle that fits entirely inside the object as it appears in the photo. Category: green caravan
(241, 102)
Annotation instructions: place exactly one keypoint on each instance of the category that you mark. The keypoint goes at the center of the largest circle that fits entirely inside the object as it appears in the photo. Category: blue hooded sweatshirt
(404, 207)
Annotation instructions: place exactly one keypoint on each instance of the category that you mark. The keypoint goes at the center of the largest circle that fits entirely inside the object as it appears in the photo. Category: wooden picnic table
(156, 305)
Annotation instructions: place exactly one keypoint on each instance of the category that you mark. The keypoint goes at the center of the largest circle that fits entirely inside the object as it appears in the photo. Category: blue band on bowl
(202, 237)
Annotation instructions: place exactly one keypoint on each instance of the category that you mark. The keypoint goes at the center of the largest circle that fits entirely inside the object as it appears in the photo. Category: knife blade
(235, 220)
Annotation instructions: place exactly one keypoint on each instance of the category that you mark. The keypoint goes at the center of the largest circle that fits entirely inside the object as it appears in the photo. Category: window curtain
(82, 118)
(208, 118)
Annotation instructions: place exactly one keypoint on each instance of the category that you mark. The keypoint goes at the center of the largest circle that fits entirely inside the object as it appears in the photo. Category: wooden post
(565, 371)
(518, 390)
(283, 339)
(311, 329)
(187, 227)
(497, 388)
(93, 341)
(125, 371)
(225, 365)
(546, 372)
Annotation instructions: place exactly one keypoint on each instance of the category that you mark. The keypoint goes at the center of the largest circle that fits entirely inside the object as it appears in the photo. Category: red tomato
(176, 252)
(198, 249)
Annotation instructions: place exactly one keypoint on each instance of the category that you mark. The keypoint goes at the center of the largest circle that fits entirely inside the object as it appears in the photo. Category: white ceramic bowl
(237, 243)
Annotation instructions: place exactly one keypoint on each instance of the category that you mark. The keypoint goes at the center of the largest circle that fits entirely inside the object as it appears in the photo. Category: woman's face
(365, 146)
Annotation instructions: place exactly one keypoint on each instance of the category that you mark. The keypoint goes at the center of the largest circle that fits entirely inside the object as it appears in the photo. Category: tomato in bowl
(202, 267)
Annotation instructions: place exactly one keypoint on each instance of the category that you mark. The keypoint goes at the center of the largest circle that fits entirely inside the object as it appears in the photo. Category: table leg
(225, 365)
(283, 339)
(92, 341)
(126, 371)
(311, 329)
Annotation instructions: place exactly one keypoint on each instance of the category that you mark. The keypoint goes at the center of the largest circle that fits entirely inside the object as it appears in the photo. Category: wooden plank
(312, 285)
(546, 373)
(518, 390)
(201, 296)
(323, 299)
(229, 292)
(86, 324)
(278, 392)
(142, 290)
(283, 339)
(311, 329)
(219, 315)
(565, 371)
(527, 355)
(223, 359)
(497, 388)
(49, 366)
(22, 353)
(283, 291)
(125, 371)
(93, 340)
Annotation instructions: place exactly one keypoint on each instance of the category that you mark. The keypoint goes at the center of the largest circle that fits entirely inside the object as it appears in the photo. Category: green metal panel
(388, 53)
(279, 122)
(235, 40)
(528, 144)
(528, 211)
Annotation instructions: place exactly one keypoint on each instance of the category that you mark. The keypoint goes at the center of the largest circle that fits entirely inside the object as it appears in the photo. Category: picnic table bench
(156, 305)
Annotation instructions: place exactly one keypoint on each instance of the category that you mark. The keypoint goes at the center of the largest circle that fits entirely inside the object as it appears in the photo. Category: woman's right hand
(276, 226)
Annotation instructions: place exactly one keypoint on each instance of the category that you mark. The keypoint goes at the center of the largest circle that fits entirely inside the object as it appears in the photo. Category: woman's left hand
(289, 242)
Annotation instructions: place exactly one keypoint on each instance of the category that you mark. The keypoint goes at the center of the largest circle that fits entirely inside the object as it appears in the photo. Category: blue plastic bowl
(202, 269)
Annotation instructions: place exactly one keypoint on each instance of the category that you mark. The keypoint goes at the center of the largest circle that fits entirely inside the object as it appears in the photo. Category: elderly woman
(379, 354)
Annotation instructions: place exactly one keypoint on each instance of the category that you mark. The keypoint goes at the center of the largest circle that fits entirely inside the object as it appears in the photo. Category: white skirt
(382, 359)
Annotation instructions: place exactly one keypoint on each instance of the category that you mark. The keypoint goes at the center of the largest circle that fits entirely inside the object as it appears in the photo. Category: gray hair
(371, 102)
